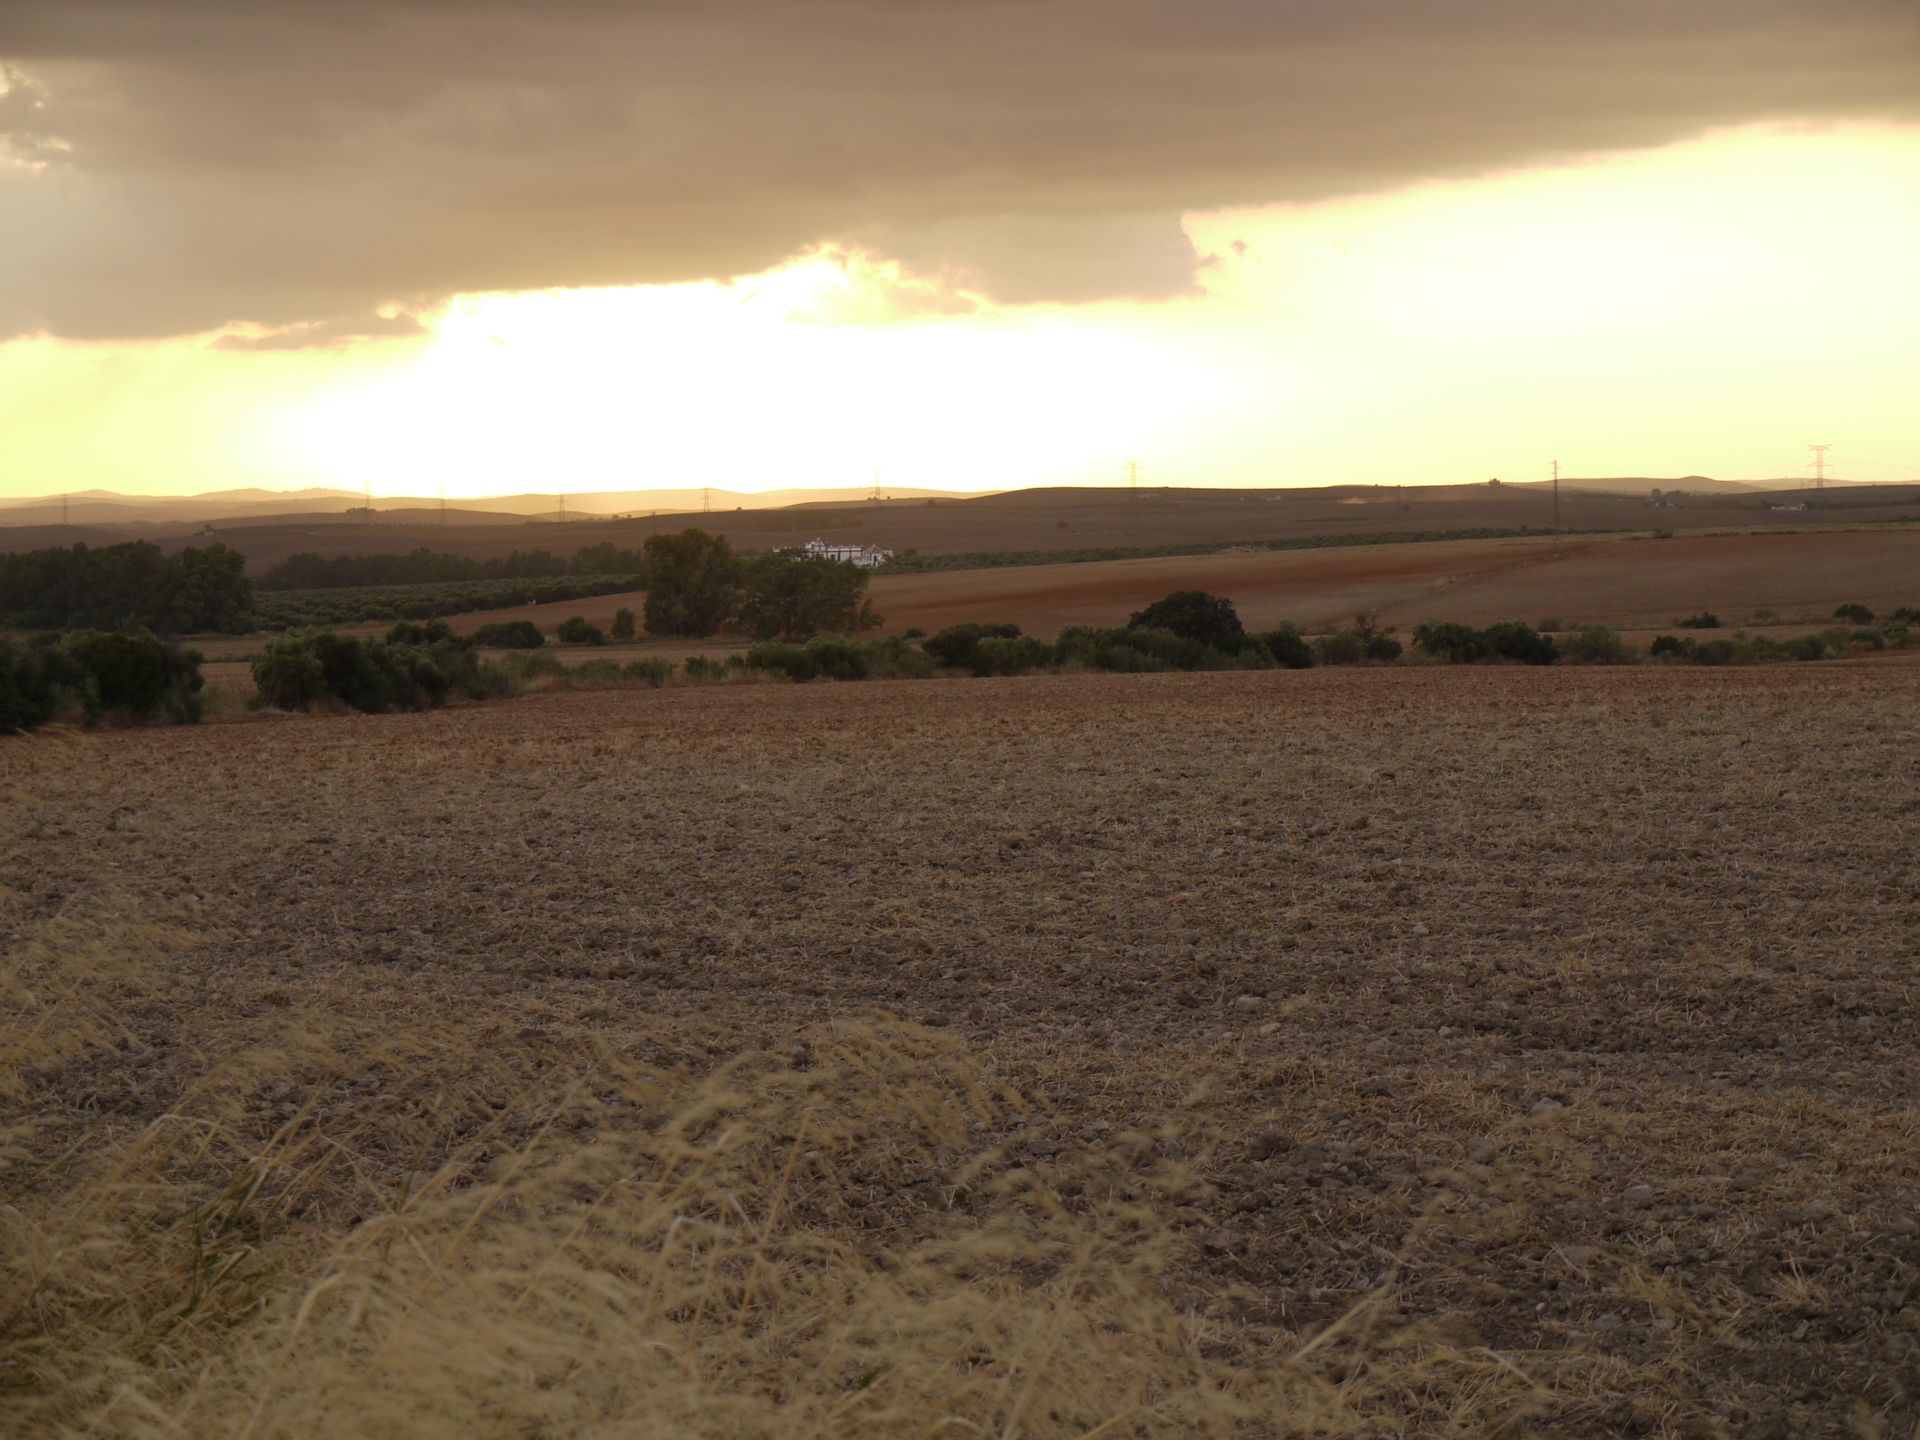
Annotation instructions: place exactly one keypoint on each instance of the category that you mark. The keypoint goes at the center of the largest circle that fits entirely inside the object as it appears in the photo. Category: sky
(482, 248)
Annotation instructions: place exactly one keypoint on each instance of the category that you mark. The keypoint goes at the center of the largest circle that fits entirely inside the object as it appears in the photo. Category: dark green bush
(434, 632)
(1595, 645)
(792, 661)
(1135, 650)
(29, 697)
(100, 675)
(958, 646)
(1363, 641)
(131, 677)
(1906, 615)
(1016, 655)
(892, 658)
(576, 630)
(1669, 646)
(296, 672)
(1705, 620)
(623, 624)
(510, 635)
(1194, 615)
(699, 669)
(1288, 647)
(1855, 614)
(839, 659)
(1446, 640)
(1517, 640)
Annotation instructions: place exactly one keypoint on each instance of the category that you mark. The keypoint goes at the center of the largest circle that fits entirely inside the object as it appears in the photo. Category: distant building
(1801, 506)
(865, 556)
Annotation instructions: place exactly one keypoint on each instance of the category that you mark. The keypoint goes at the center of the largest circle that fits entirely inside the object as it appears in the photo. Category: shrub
(434, 632)
(28, 698)
(1445, 640)
(576, 630)
(1016, 655)
(1364, 641)
(133, 677)
(653, 673)
(510, 635)
(892, 658)
(839, 659)
(1855, 614)
(699, 669)
(623, 624)
(129, 677)
(1194, 615)
(1517, 640)
(913, 633)
(296, 672)
(777, 656)
(1906, 615)
(1339, 647)
(958, 646)
(1670, 646)
(1805, 647)
(1288, 647)
(1133, 650)
(1595, 645)
(1705, 620)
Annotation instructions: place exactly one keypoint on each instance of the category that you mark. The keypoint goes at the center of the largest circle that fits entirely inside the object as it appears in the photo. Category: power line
(1820, 465)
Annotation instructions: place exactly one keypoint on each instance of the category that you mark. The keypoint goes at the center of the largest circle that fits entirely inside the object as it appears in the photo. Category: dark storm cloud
(287, 163)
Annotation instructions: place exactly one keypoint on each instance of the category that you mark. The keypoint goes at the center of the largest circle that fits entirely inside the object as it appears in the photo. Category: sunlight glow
(1706, 307)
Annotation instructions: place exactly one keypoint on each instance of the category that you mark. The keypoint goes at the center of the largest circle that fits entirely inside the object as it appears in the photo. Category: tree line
(125, 587)
(310, 570)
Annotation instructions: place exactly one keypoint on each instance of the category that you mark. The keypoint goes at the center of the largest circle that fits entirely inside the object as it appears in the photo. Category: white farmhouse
(865, 556)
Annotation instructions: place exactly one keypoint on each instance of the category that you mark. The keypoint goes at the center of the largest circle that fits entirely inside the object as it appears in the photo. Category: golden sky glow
(1711, 306)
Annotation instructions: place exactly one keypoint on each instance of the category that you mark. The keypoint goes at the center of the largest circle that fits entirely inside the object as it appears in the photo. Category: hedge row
(96, 676)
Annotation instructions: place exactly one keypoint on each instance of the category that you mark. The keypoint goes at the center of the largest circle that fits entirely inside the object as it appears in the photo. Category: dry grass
(435, 1237)
(1275, 1054)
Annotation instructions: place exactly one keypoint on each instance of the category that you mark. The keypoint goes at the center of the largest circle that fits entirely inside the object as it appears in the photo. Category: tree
(693, 583)
(623, 624)
(1195, 615)
(578, 630)
(791, 596)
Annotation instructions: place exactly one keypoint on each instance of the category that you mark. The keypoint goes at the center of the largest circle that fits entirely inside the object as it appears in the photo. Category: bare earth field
(1632, 584)
(1534, 1050)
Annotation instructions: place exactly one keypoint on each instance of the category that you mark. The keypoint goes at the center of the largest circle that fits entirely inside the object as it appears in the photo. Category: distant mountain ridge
(107, 507)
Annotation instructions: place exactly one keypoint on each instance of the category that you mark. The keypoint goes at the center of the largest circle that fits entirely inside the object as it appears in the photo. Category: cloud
(210, 163)
(324, 334)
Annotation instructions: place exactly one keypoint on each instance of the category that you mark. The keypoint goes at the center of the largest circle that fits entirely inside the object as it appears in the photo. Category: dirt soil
(1573, 1008)
(1632, 584)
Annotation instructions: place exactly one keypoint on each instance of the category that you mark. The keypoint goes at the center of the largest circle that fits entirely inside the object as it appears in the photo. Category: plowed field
(1632, 584)
(1565, 1015)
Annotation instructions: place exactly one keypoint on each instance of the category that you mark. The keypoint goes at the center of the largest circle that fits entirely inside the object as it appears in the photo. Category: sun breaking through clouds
(973, 243)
